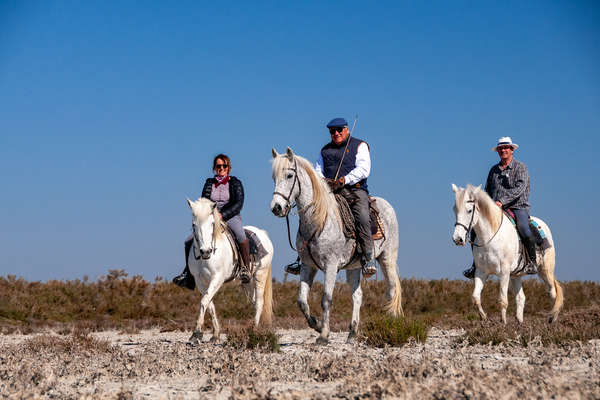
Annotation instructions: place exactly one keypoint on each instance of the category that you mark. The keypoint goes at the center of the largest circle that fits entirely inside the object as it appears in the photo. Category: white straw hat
(505, 141)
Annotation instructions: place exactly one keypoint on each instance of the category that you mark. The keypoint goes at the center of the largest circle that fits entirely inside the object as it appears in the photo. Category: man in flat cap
(351, 181)
(508, 185)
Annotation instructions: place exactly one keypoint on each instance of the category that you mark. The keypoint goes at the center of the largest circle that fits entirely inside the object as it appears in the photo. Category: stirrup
(294, 267)
(530, 268)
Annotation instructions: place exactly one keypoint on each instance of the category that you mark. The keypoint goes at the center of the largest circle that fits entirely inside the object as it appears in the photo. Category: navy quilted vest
(332, 155)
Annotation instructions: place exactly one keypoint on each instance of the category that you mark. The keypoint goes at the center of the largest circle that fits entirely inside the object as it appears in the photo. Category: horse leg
(326, 300)
(387, 260)
(206, 300)
(307, 275)
(516, 286)
(215, 322)
(478, 280)
(353, 279)
(503, 297)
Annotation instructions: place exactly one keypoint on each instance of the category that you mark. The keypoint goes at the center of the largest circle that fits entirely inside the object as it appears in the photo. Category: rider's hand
(336, 184)
(499, 204)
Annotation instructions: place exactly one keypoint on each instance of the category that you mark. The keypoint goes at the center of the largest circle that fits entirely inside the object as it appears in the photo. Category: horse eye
(469, 212)
(290, 176)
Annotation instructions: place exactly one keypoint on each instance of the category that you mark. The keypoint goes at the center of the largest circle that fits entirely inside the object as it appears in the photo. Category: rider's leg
(522, 217)
(359, 204)
(235, 224)
(469, 273)
(186, 279)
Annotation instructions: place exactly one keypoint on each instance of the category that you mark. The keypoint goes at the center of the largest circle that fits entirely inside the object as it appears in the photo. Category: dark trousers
(522, 217)
(358, 200)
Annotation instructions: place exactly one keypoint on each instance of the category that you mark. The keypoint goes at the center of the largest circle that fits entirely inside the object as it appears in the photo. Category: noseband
(287, 198)
(468, 229)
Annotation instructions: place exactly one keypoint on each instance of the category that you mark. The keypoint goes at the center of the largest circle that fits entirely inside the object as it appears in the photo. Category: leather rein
(470, 227)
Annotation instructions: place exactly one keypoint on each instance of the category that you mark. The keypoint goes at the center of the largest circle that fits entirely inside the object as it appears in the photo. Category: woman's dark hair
(225, 159)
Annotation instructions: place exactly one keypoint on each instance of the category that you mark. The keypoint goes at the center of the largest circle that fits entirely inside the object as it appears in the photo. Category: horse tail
(394, 306)
(267, 312)
(558, 302)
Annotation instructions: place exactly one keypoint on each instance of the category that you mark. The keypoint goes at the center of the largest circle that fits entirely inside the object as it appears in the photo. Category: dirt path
(155, 365)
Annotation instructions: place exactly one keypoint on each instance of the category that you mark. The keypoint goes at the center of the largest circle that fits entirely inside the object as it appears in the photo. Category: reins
(470, 227)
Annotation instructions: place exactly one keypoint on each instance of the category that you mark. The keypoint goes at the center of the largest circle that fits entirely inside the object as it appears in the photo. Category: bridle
(470, 227)
(213, 246)
(287, 198)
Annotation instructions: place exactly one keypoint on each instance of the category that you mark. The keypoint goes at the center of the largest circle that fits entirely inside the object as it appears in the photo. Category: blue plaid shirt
(509, 186)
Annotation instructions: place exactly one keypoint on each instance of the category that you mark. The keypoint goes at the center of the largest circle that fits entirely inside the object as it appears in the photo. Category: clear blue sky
(111, 113)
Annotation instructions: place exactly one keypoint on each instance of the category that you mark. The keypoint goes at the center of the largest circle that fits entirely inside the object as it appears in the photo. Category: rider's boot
(369, 268)
(245, 273)
(469, 273)
(186, 279)
(531, 266)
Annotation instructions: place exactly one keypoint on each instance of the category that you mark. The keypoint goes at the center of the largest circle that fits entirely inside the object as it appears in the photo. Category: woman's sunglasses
(219, 166)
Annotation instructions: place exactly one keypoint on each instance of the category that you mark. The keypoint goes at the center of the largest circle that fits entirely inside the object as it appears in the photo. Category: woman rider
(227, 191)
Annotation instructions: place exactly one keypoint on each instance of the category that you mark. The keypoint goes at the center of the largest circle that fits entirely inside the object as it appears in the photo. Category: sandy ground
(155, 365)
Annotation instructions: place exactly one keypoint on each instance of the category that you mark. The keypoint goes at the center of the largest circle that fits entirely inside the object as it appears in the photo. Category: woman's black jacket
(236, 196)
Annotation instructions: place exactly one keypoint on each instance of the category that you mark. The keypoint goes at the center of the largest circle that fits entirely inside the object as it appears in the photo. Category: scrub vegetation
(130, 304)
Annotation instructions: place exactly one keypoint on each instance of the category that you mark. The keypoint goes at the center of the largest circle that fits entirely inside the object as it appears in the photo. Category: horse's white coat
(499, 249)
(296, 182)
(215, 264)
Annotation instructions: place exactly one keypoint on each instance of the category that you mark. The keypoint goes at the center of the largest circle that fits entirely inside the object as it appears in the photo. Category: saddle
(377, 229)
(257, 250)
(541, 240)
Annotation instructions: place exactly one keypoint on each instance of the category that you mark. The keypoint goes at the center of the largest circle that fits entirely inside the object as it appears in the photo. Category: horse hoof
(351, 339)
(214, 338)
(322, 341)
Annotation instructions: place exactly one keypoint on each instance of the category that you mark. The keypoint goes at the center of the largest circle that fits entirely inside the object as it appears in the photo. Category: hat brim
(513, 145)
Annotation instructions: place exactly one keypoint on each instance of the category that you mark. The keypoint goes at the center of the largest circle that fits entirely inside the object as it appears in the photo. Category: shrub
(250, 338)
(384, 331)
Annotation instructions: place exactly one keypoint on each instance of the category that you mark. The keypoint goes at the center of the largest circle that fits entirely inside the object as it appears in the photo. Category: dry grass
(117, 301)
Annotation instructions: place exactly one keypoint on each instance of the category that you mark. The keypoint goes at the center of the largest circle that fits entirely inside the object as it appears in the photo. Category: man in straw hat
(508, 185)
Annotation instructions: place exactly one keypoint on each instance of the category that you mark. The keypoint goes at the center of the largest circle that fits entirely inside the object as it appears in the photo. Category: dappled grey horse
(321, 242)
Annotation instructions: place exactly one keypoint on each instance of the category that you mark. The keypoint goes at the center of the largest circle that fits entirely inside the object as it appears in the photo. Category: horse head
(465, 208)
(205, 217)
(287, 183)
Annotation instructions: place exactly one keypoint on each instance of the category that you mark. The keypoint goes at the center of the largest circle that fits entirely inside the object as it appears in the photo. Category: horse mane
(321, 192)
(487, 207)
(200, 211)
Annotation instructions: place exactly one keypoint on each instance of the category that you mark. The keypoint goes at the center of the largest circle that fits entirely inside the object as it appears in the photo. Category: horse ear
(189, 202)
(289, 153)
(274, 152)
(454, 188)
(477, 189)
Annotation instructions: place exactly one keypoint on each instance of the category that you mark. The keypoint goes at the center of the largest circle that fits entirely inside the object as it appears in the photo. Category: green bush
(393, 331)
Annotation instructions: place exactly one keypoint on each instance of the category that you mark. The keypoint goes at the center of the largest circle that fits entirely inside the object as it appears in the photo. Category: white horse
(497, 250)
(211, 261)
(321, 242)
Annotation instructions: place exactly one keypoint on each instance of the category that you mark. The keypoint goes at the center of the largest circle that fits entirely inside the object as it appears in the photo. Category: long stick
(345, 148)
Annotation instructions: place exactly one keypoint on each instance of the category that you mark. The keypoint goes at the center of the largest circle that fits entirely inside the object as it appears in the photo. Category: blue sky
(111, 113)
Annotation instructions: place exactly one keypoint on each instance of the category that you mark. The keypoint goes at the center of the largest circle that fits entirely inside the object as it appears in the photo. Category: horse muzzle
(458, 239)
(279, 211)
(205, 254)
